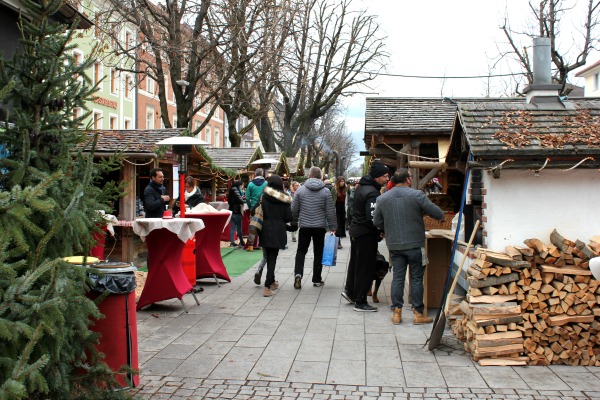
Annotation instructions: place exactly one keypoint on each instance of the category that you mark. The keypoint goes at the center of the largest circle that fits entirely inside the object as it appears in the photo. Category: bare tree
(175, 45)
(333, 51)
(569, 51)
(256, 33)
(329, 136)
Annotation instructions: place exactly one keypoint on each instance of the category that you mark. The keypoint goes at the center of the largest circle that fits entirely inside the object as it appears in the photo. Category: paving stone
(346, 372)
(423, 374)
(309, 371)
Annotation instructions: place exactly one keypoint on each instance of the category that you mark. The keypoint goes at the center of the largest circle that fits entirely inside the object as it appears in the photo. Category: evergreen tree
(49, 197)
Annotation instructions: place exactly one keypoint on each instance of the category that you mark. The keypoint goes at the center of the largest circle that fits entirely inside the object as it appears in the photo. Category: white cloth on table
(110, 220)
(184, 228)
(207, 209)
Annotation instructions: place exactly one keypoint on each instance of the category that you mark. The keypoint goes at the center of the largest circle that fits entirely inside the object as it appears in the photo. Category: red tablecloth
(209, 262)
(166, 279)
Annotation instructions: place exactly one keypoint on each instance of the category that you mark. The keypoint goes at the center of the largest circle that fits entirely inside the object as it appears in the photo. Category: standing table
(209, 263)
(165, 239)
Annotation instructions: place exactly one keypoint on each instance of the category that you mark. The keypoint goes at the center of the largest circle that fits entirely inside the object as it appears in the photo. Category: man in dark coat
(154, 195)
(364, 237)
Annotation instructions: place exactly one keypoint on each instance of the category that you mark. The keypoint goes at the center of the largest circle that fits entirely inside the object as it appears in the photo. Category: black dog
(382, 267)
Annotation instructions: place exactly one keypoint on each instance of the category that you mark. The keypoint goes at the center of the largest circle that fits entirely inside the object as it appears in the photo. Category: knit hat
(378, 169)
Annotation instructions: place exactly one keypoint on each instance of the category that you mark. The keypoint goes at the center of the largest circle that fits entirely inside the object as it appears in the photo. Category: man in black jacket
(154, 195)
(364, 237)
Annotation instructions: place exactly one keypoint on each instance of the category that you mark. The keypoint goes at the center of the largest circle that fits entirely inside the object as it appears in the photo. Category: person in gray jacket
(399, 212)
(313, 210)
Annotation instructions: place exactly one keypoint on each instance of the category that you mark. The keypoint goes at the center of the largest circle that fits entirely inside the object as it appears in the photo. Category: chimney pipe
(542, 93)
(542, 73)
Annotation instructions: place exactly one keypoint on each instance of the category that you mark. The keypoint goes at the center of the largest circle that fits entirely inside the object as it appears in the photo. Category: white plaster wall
(522, 206)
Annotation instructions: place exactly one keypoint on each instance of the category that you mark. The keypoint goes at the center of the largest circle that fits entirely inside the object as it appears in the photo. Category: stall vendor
(193, 195)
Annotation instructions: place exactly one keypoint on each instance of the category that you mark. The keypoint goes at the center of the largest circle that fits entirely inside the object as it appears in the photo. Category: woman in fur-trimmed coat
(277, 212)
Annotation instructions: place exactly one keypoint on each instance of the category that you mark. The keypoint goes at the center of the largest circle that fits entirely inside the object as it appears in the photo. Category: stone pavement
(310, 344)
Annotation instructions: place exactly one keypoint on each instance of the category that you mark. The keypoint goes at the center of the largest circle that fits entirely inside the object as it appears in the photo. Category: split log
(491, 299)
(585, 249)
(495, 280)
(565, 270)
(563, 244)
(502, 362)
(559, 320)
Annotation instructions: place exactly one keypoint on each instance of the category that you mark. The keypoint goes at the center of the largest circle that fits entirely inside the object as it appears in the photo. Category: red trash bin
(118, 329)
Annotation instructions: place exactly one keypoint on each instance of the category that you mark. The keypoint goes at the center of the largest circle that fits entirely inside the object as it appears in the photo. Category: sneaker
(250, 248)
(339, 245)
(267, 292)
(257, 278)
(348, 298)
(298, 282)
(421, 318)
(397, 316)
(274, 285)
(366, 307)
(232, 245)
(318, 284)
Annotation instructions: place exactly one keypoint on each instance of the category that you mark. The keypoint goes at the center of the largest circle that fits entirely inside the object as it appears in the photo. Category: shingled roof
(521, 130)
(388, 115)
(129, 141)
(235, 158)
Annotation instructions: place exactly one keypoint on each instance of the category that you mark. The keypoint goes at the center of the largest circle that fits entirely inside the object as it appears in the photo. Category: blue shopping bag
(330, 250)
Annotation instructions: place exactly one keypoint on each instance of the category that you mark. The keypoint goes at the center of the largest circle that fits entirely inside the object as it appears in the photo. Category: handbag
(256, 221)
(330, 250)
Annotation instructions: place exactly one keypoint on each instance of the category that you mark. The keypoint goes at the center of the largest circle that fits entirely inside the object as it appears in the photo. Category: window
(126, 123)
(113, 122)
(113, 81)
(217, 137)
(196, 126)
(128, 86)
(597, 81)
(97, 72)
(128, 40)
(207, 108)
(150, 118)
(97, 120)
(149, 85)
(174, 121)
(208, 137)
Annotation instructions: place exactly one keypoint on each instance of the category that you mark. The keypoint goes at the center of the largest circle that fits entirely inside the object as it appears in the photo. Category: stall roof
(519, 129)
(235, 158)
(293, 164)
(129, 141)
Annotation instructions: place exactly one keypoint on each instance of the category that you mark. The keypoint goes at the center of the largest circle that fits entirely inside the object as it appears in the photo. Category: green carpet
(238, 261)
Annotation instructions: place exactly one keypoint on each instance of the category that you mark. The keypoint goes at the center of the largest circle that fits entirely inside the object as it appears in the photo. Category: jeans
(262, 262)
(361, 267)
(305, 235)
(402, 259)
(236, 222)
(271, 255)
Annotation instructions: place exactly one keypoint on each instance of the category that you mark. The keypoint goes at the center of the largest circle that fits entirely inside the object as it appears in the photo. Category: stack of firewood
(490, 315)
(535, 305)
(560, 303)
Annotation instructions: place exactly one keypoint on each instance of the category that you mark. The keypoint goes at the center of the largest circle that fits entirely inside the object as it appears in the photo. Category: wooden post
(127, 209)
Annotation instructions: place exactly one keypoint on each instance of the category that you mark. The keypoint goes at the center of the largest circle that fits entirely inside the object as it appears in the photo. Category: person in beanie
(399, 212)
(277, 213)
(314, 213)
(364, 237)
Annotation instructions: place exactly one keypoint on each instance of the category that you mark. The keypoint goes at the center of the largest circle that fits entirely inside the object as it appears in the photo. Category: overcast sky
(437, 38)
